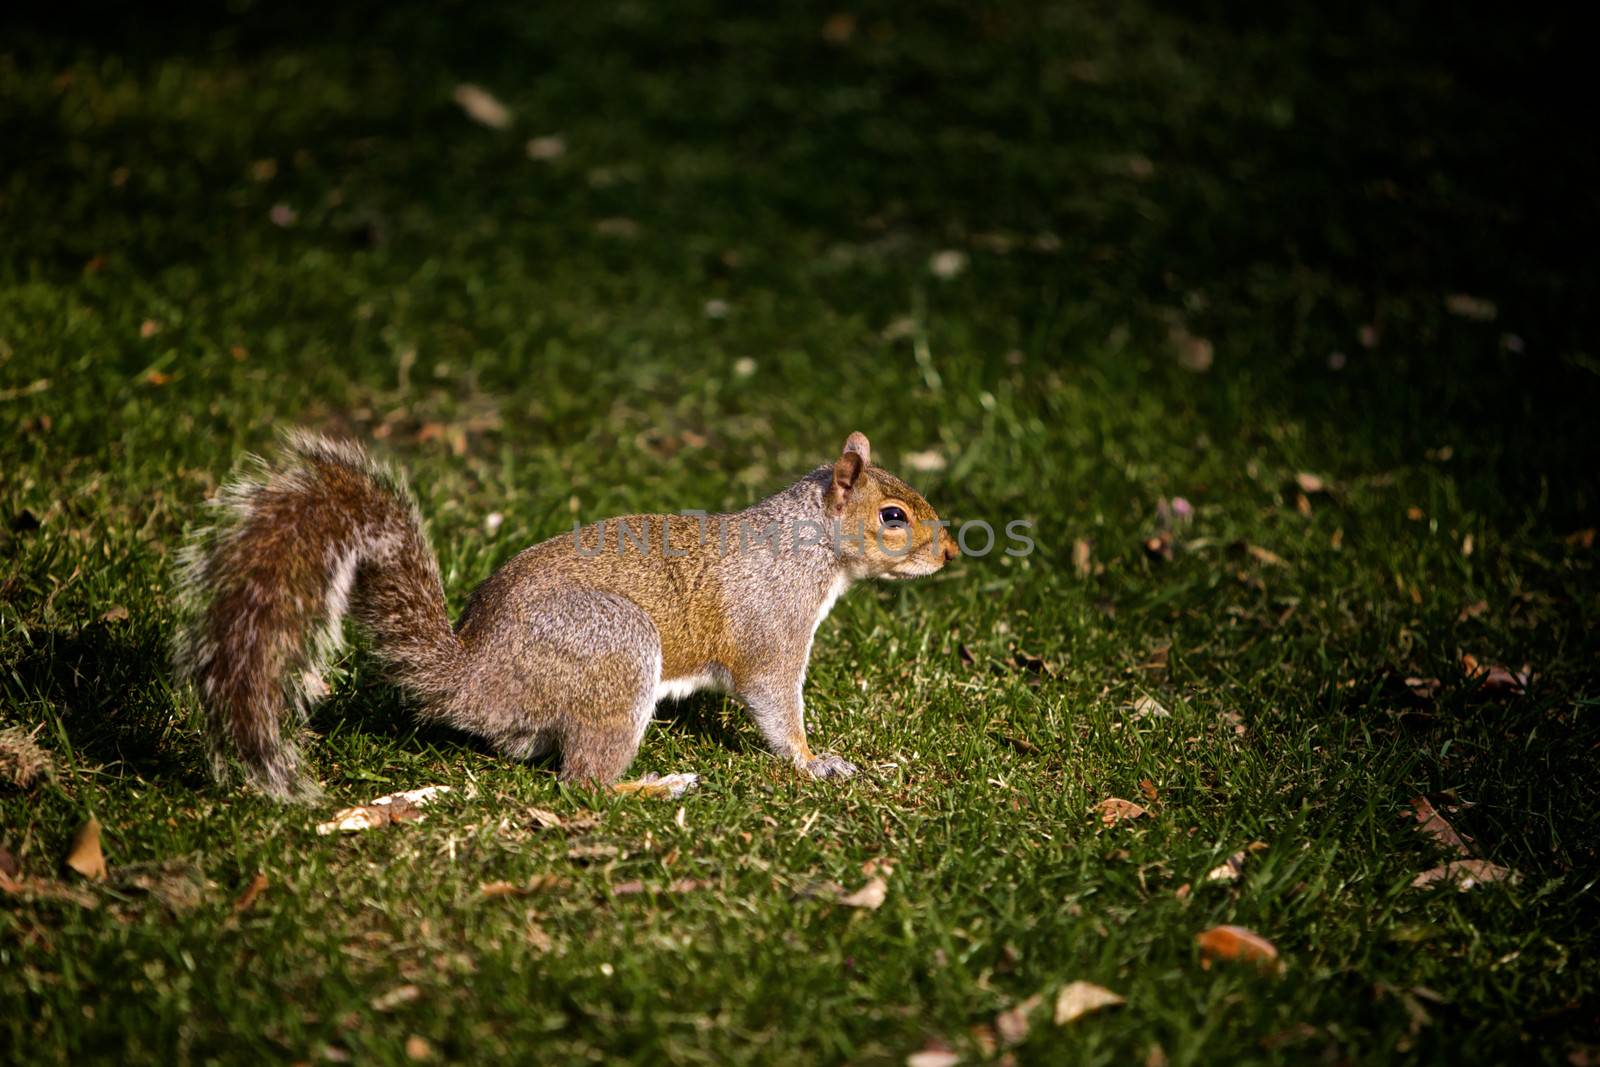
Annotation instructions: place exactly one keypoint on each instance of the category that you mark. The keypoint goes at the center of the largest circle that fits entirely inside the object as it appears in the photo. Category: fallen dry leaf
(1265, 555)
(1475, 308)
(1081, 998)
(938, 1056)
(1309, 483)
(85, 856)
(1113, 810)
(1464, 874)
(1148, 707)
(1012, 1025)
(396, 997)
(838, 28)
(1430, 822)
(1473, 610)
(1236, 943)
(257, 886)
(502, 889)
(23, 761)
(115, 613)
(418, 1048)
(353, 820)
(544, 820)
(1148, 788)
(870, 896)
(1424, 689)
(393, 808)
(1193, 353)
(1159, 546)
(617, 226)
(546, 148)
(1233, 867)
(947, 264)
(481, 106)
(1081, 561)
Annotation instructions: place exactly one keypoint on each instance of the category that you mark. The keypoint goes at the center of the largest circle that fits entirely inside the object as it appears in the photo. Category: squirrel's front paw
(829, 767)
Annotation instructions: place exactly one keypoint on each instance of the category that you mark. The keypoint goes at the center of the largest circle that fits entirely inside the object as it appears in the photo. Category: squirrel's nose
(951, 549)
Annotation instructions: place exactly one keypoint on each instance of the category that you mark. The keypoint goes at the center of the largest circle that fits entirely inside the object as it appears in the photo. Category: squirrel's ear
(846, 473)
(858, 443)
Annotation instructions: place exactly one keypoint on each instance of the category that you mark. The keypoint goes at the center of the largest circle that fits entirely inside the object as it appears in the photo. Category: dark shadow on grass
(367, 704)
(107, 686)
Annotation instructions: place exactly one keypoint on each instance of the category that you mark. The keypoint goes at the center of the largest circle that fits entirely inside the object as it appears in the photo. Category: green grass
(1289, 189)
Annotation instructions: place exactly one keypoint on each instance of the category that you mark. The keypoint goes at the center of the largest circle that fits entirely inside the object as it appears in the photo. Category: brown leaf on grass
(1081, 559)
(592, 853)
(1080, 998)
(393, 808)
(1012, 1025)
(1159, 546)
(1473, 610)
(934, 1054)
(838, 28)
(1265, 555)
(1495, 680)
(481, 106)
(247, 899)
(502, 889)
(1148, 707)
(870, 896)
(1464, 874)
(544, 820)
(1148, 788)
(85, 856)
(1430, 822)
(1233, 867)
(1195, 354)
(617, 226)
(1236, 943)
(1476, 308)
(545, 148)
(397, 997)
(1113, 810)
(22, 760)
(1424, 689)
(115, 613)
(1288, 1036)
(1309, 483)
(418, 1048)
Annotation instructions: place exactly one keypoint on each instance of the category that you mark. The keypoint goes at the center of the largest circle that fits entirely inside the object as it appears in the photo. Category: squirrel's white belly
(713, 677)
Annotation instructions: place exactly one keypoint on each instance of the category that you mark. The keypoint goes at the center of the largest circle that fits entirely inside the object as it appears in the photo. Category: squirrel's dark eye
(893, 516)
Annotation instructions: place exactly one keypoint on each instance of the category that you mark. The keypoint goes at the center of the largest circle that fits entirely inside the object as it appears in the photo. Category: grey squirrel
(567, 647)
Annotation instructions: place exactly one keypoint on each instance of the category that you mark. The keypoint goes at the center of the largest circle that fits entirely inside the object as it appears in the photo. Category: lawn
(1279, 328)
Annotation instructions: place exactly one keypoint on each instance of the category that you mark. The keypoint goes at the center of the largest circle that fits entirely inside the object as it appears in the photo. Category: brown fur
(567, 647)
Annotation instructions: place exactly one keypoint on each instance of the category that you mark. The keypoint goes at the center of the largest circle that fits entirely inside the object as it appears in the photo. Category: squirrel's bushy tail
(264, 590)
